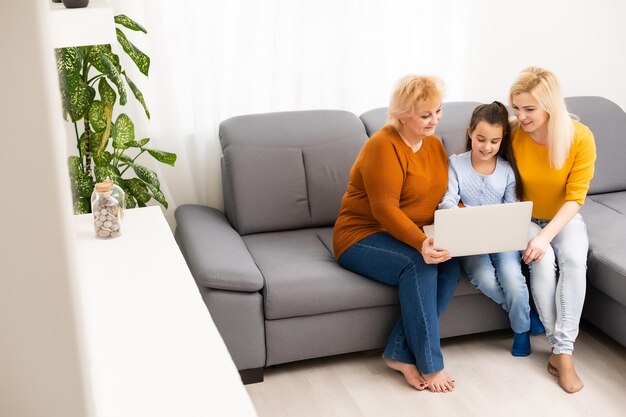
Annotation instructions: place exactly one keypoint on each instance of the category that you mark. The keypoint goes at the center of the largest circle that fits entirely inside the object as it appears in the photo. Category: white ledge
(91, 25)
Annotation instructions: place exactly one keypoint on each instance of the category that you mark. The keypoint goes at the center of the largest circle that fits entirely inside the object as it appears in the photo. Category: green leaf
(80, 99)
(147, 176)
(139, 190)
(93, 57)
(139, 58)
(111, 71)
(107, 171)
(123, 132)
(82, 206)
(162, 156)
(68, 67)
(95, 138)
(126, 159)
(137, 93)
(157, 194)
(129, 201)
(102, 159)
(129, 23)
(138, 143)
(84, 185)
(107, 94)
(97, 117)
(74, 165)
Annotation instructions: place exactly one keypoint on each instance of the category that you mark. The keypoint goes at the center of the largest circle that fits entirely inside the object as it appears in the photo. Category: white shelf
(91, 25)
(151, 347)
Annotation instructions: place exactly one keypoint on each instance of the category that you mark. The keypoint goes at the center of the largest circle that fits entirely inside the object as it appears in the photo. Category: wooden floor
(489, 382)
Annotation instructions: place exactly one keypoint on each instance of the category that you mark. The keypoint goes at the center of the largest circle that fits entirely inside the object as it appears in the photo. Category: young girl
(487, 174)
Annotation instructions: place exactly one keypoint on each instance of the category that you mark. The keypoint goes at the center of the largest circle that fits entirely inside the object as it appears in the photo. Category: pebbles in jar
(106, 212)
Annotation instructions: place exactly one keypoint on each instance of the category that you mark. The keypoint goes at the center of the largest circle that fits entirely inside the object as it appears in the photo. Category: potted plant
(92, 81)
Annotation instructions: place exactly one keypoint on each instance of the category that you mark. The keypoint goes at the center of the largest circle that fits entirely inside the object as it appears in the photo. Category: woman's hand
(535, 250)
(432, 255)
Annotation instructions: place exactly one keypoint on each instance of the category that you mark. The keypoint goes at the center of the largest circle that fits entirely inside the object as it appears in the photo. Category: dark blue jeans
(424, 292)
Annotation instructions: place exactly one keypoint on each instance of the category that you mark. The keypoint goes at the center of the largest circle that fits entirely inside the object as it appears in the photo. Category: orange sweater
(392, 189)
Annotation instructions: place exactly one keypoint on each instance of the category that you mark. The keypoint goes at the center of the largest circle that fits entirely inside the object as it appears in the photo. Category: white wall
(582, 41)
(40, 366)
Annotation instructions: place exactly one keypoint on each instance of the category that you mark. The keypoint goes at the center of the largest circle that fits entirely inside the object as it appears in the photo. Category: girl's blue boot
(521, 344)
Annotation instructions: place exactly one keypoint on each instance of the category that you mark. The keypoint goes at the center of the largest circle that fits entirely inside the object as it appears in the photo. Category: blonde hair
(410, 92)
(544, 86)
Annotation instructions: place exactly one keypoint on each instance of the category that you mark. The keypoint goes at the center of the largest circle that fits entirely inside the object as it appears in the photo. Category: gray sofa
(265, 267)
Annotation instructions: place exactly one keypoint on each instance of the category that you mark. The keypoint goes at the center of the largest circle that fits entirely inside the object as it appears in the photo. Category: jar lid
(103, 187)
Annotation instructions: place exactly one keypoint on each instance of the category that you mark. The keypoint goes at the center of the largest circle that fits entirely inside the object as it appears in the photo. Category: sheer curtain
(212, 60)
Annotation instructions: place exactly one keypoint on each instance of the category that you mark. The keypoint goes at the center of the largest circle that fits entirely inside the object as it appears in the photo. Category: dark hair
(497, 114)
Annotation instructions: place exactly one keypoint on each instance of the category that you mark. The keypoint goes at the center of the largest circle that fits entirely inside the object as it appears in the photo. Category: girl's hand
(432, 255)
(536, 249)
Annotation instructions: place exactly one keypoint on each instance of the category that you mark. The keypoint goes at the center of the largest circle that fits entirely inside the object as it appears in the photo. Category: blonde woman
(555, 156)
(395, 185)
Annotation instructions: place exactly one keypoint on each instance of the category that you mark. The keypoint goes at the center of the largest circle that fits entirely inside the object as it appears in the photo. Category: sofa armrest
(215, 253)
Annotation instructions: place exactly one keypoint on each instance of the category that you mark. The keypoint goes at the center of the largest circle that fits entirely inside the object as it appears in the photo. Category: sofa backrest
(607, 122)
(451, 129)
(287, 170)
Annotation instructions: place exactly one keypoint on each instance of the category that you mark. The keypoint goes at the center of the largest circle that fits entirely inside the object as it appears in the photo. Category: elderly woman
(396, 182)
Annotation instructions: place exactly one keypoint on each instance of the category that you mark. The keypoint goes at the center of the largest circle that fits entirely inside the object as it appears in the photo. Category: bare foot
(562, 366)
(439, 382)
(410, 372)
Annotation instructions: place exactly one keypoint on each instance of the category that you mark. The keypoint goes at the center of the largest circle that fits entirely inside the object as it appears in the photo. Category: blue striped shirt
(474, 189)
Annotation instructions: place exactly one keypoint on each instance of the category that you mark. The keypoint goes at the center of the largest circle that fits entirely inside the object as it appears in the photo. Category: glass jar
(106, 210)
(116, 192)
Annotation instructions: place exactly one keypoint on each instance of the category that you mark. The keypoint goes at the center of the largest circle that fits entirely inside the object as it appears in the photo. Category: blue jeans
(499, 276)
(424, 292)
(559, 293)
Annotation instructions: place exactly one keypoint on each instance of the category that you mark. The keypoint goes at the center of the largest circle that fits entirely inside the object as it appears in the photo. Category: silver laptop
(485, 229)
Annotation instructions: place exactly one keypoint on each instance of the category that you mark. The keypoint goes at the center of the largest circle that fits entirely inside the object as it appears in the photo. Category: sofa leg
(251, 376)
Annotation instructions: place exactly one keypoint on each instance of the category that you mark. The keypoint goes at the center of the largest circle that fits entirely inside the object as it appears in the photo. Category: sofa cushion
(606, 266)
(614, 201)
(607, 121)
(287, 170)
(302, 277)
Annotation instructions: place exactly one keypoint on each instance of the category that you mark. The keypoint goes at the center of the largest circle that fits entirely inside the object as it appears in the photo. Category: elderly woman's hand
(432, 255)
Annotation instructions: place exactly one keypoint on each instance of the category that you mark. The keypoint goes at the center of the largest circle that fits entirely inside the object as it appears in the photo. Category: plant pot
(75, 4)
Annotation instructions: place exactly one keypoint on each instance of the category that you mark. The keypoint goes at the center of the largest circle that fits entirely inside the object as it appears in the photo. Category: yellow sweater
(549, 188)
(392, 189)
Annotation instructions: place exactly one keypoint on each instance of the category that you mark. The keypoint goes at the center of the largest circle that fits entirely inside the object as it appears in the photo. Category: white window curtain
(211, 60)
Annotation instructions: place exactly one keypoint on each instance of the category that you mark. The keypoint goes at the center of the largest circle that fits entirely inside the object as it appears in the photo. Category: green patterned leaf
(95, 138)
(139, 58)
(80, 99)
(97, 117)
(113, 73)
(82, 206)
(157, 194)
(68, 67)
(126, 159)
(74, 165)
(107, 94)
(139, 143)
(123, 132)
(139, 190)
(84, 185)
(93, 57)
(129, 23)
(161, 156)
(109, 171)
(102, 159)
(147, 176)
(129, 201)
(137, 93)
